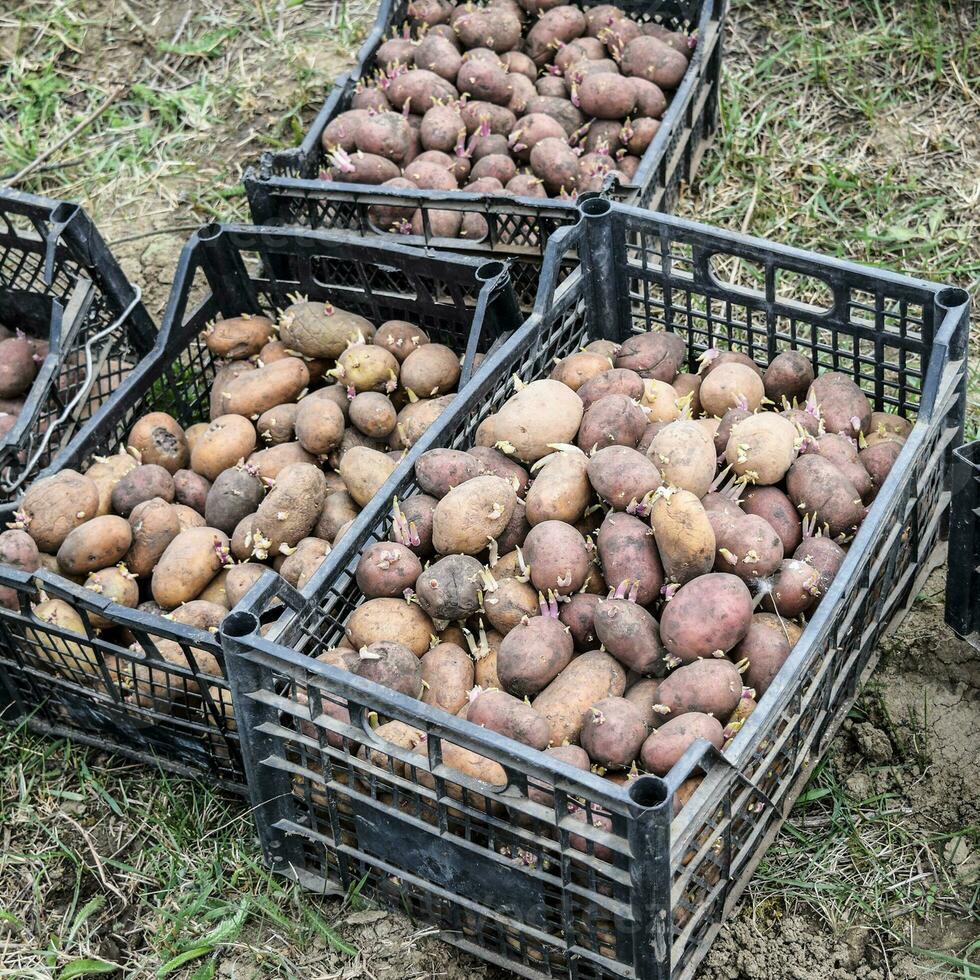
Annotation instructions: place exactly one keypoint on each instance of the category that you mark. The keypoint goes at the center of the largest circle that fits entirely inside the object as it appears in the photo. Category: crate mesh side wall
(100, 688)
(112, 356)
(762, 304)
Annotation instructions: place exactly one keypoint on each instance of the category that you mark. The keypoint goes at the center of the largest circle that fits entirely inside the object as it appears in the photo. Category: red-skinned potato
(766, 647)
(557, 556)
(629, 557)
(658, 355)
(387, 569)
(578, 614)
(439, 470)
(789, 375)
(510, 716)
(709, 614)
(711, 686)
(532, 655)
(665, 746)
(509, 603)
(618, 381)
(843, 406)
(773, 506)
(611, 421)
(818, 488)
(613, 732)
(631, 635)
(748, 547)
(623, 477)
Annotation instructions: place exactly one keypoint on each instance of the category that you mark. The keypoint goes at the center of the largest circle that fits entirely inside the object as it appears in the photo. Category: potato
(685, 456)
(17, 366)
(319, 425)
(819, 488)
(509, 603)
(423, 89)
(658, 355)
(160, 440)
(290, 510)
(201, 614)
(386, 134)
(360, 168)
(773, 506)
(447, 677)
(711, 687)
(412, 523)
(439, 55)
(115, 585)
(731, 385)
(560, 491)
(578, 614)
(495, 463)
(578, 368)
(623, 477)
(611, 421)
(321, 330)
(268, 463)
(387, 569)
(54, 506)
(338, 509)
(644, 695)
(188, 564)
(843, 406)
(450, 588)
(613, 731)
(141, 484)
(878, 461)
(240, 579)
(305, 559)
(766, 647)
(235, 494)
(392, 665)
(98, 543)
(709, 614)
(788, 376)
(17, 551)
(629, 557)
(885, 426)
(843, 453)
(532, 655)
(187, 517)
(824, 555)
(383, 620)
(557, 556)
(726, 423)
(618, 381)
(761, 448)
(256, 391)
(659, 402)
(509, 716)
(106, 473)
(665, 745)
(227, 440)
(805, 421)
(431, 370)
(795, 588)
(70, 657)
(238, 337)
(364, 471)
(560, 24)
(748, 547)
(191, 490)
(587, 679)
(471, 515)
(556, 164)
(373, 413)
(439, 470)
(631, 635)
(684, 535)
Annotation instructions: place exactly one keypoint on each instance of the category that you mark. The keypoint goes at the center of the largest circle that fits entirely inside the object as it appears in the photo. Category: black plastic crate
(285, 187)
(51, 251)
(177, 713)
(548, 889)
(963, 580)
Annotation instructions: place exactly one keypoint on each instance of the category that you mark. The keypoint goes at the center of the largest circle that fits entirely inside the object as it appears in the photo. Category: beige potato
(216, 591)
(267, 463)
(53, 507)
(154, 524)
(659, 401)
(561, 490)
(290, 510)
(228, 439)
(239, 337)
(684, 535)
(319, 425)
(762, 448)
(390, 620)
(98, 543)
(364, 472)
(431, 370)
(159, 439)
(322, 329)
(71, 657)
(472, 514)
(731, 385)
(367, 367)
(257, 391)
(106, 473)
(188, 564)
(447, 677)
(116, 585)
(685, 455)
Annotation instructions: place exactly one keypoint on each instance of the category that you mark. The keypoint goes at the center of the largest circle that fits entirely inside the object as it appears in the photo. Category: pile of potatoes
(626, 556)
(308, 418)
(21, 357)
(528, 98)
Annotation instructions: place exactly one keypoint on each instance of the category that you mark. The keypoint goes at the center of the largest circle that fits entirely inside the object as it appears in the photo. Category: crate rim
(951, 302)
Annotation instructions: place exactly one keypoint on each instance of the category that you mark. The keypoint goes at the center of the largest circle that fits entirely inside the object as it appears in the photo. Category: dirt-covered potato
(69, 657)
(471, 515)
(789, 375)
(712, 687)
(17, 366)
(611, 421)
(762, 447)
(106, 473)
(631, 634)
(431, 370)
(235, 494)
(843, 406)
(666, 744)
(560, 491)
(657, 355)
(618, 381)
(766, 647)
(540, 415)
(238, 337)
(159, 439)
(709, 614)
(439, 470)
(623, 477)
(154, 524)
(114, 584)
(685, 456)
(578, 614)
(450, 588)
(257, 391)
(586, 680)
(393, 665)
(267, 463)
(321, 330)
(394, 620)
(532, 655)
(613, 732)
(188, 564)
(226, 441)
(509, 716)
(98, 543)
(364, 471)
(18, 551)
(53, 507)
(447, 677)
(387, 569)
(290, 510)
(684, 535)
(773, 506)
(629, 557)
(141, 484)
(748, 547)
(191, 490)
(819, 488)
(240, 579)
